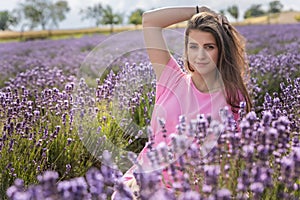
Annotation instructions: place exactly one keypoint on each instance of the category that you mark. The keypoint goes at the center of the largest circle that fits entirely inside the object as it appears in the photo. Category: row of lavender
(47, 120)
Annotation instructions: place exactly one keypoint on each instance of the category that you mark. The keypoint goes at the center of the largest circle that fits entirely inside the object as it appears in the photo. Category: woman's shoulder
(173, 71)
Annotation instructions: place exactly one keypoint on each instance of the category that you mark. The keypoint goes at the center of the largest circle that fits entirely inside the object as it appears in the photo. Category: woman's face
(202, 51)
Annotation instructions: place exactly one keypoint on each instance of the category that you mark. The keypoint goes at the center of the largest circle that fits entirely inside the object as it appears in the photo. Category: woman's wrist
(166, 16)
(200, 9)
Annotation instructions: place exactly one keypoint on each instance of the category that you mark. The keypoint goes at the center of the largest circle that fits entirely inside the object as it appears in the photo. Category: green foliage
(136, 17)
(101, 15)
(109, 17)
(234, 11)
(222, 12)
(43, 12)
(53, 145)
(94, 12)
(58, 11)
(275, 7)
(297, 18)
(7, 19)
(254, 11)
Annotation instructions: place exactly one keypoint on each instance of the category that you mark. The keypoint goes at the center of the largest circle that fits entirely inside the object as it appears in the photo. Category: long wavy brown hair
(232, 63)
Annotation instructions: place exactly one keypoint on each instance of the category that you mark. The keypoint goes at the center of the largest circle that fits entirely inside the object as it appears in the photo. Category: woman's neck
(206, 85)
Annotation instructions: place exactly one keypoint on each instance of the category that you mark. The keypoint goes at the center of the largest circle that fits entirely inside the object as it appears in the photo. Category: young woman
(214, 58)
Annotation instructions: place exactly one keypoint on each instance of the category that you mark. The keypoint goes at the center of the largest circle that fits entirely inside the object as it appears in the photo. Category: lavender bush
(51, 125)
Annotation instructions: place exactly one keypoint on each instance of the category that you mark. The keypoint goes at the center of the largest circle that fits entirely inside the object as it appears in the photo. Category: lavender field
(67, 136)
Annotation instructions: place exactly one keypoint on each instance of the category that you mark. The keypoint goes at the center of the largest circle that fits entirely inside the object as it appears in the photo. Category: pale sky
(73, 19)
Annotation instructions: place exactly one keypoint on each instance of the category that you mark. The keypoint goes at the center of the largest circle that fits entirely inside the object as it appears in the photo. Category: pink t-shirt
(177, 95)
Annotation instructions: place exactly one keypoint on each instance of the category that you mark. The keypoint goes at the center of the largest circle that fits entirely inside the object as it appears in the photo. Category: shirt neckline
(198, 91)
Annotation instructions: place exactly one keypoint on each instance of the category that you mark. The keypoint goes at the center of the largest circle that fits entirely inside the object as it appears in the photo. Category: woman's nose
(201, 53)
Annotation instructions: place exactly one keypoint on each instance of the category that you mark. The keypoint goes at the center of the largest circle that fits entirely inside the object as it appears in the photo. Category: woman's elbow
(145, 19)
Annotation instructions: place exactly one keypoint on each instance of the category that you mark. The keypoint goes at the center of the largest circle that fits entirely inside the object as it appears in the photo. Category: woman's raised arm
(153, 23)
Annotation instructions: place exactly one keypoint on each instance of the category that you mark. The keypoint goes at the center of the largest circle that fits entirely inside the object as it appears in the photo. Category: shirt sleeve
(169, 78)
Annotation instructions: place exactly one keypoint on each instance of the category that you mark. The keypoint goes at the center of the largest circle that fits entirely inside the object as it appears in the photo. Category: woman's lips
(201, 63)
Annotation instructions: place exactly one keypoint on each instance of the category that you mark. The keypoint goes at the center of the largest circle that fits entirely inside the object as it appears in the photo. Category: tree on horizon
(42, 13)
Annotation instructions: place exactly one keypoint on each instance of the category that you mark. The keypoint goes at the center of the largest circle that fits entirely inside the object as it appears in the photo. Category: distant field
(282, 18)
(30, 35)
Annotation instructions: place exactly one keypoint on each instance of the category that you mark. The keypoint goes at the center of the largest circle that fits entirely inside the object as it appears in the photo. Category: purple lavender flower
(190, 195)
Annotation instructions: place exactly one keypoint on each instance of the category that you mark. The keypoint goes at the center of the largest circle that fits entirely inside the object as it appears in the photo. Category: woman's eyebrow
(210, 43)
(205, 44)
(193, 43)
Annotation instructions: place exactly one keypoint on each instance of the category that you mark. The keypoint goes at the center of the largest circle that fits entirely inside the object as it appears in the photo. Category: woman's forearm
(167, 16)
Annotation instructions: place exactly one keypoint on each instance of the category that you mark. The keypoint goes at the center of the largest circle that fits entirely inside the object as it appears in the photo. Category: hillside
(287, 17)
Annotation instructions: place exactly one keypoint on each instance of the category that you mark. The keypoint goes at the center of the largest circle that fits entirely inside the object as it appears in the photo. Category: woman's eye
(209, 47)
(193, 47)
